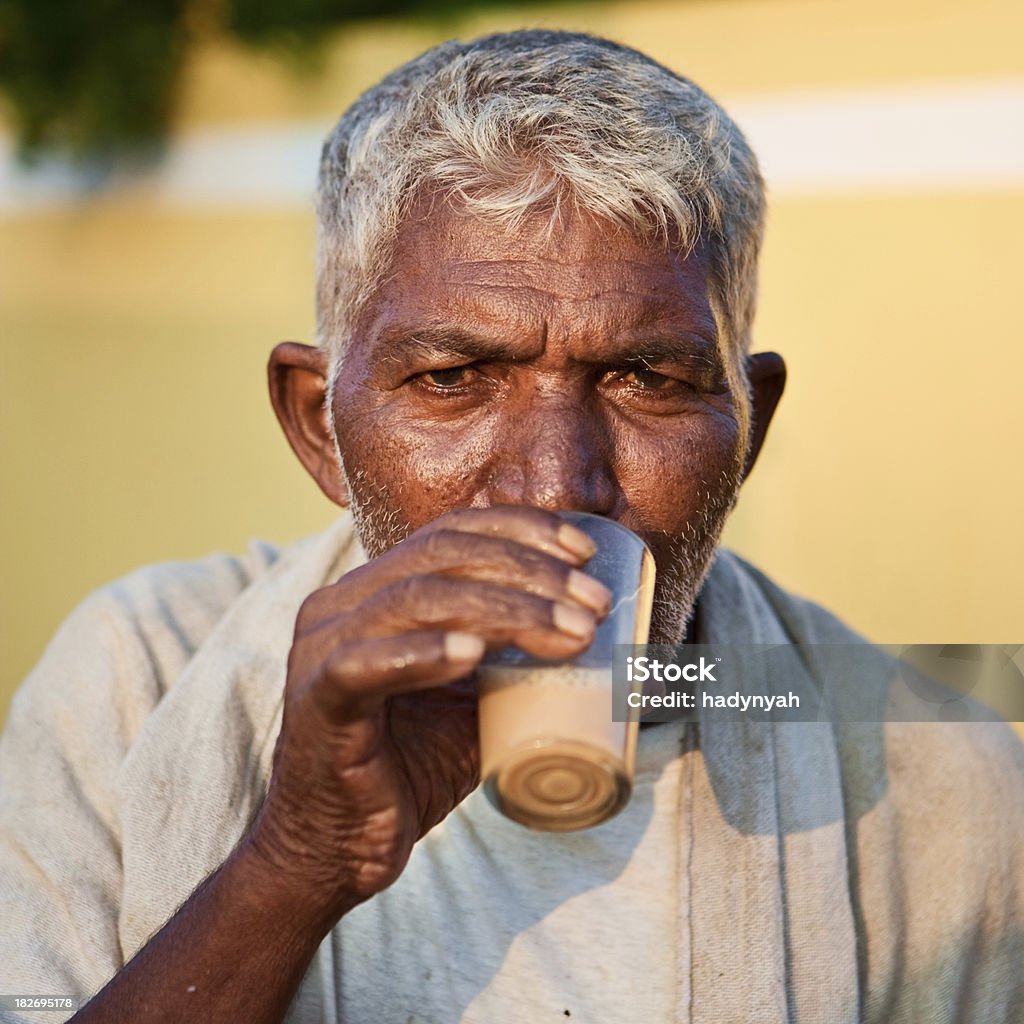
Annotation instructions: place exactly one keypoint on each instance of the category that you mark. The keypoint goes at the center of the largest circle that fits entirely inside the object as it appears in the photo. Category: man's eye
(649, 380)
(449, 377)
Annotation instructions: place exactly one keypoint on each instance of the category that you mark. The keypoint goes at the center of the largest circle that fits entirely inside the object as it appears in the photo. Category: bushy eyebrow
(687, 348)
(445, 342)
(660, 346)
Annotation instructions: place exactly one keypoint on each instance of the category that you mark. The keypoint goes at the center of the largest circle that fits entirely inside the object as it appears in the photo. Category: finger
(502, 615)
(360, 675)
(493, 559)
(456, 553)
(534, 527)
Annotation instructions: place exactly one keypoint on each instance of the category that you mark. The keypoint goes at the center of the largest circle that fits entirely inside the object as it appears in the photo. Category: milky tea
(552, 757)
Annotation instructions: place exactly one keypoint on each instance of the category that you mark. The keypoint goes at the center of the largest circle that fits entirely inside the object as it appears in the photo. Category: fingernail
(576, 541)
(589, 591)
(463, 647)
(574, 621)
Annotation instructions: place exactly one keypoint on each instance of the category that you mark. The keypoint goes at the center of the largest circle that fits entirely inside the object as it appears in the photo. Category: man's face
(570, 369)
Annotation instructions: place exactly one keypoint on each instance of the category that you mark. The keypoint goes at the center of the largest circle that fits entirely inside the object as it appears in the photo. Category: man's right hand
(378, 744)
(378, 741)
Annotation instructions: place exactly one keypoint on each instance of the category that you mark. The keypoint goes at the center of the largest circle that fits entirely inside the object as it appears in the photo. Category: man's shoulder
(166, 610)
(178, 603)
(977, 763)
(126, 643)
(131, 639)
(752, 604)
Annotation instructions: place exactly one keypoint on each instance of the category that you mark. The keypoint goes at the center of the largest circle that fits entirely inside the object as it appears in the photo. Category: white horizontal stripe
(942, 135)
(252, 165)
(966, 135)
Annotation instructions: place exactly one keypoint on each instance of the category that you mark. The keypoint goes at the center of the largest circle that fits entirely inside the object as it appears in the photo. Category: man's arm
(377, 745)
(236, 951)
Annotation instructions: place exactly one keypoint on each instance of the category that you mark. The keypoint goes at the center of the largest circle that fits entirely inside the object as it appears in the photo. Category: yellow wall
(133, 337)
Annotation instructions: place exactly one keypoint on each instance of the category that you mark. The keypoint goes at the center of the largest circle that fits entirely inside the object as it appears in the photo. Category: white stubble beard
(692, 555)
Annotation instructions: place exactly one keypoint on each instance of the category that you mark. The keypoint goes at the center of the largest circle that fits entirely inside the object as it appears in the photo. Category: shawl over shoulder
(857, 872)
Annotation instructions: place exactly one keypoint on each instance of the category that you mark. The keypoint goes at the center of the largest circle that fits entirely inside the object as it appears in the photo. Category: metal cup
(552, 757)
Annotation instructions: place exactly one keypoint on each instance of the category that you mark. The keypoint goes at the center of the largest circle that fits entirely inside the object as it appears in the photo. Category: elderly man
(244, 789)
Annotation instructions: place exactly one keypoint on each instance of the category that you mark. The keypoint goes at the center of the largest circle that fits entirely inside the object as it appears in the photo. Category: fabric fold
(198, 769)
(800, 858)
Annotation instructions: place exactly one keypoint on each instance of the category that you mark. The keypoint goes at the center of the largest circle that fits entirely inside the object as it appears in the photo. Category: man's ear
(766, 372)
(297, 375)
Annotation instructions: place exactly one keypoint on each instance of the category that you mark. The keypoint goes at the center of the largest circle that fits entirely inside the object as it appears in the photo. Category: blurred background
(156, 239)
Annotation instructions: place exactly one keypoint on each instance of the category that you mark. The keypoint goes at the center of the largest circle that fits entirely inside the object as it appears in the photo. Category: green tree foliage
(93, 79)
(89, 76)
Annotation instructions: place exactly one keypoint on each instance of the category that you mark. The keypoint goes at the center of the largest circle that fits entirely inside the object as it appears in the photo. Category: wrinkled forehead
(575, 278)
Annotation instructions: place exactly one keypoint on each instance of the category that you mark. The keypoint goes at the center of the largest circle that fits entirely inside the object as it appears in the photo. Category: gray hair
(531, 121)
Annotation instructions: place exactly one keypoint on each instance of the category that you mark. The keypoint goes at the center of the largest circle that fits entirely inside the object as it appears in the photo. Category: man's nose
(557, 454)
